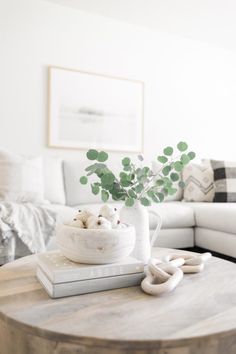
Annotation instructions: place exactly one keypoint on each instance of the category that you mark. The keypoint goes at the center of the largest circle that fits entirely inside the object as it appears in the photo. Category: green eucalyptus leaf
(126, 161)
(139, 188)
(166, 170)
(181, 184)
(138, 171)
(168, 151)
(105, 196)
(127, 168)
(182, 146)
(174, 176)
(129, 202)
(145, 170)
(83, 180)
(151, 194)
(185, 159)
(191, 155)
(162, 159)
(178, 166)
(95, 189)
(140, 157)
(92, 154)
(161, 196)
(107, 179)
(145, 201)
(172, 191)
(125, 183)
(132, 194)
(91, 168)
(159, 182)
(165, 191)
(123, 175)
(168, 183)
(102, 156)
(155, 199)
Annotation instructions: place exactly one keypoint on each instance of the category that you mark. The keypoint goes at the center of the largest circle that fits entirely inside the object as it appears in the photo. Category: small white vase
(138, 216)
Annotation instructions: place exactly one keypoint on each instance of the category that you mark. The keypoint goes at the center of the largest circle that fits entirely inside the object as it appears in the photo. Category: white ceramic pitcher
(137, 215)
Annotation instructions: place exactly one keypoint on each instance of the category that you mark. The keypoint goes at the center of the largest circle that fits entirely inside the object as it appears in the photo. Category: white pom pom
(110, 213)
(83, 215)
(77, 223)
(94, 222)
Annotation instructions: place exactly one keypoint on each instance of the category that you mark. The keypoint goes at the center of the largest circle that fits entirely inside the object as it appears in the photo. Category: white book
(59, 269)
(88, 286)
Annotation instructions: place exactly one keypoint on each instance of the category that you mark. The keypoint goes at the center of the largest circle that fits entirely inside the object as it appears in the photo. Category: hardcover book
(59, 269)
(88, 286)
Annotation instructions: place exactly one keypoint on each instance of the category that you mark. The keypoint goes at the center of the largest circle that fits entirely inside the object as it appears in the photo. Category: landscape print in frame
(88, 110)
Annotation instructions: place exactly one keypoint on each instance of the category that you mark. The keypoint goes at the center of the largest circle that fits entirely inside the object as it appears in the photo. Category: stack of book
(61, 277)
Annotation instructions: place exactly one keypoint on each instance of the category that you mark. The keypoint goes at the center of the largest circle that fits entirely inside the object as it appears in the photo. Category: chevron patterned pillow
(199, 183)
(224, 180)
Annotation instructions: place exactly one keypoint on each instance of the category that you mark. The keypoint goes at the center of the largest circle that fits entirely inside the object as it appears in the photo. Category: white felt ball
(77, 223)
(110, 213)
(83, 215)
(94, 222)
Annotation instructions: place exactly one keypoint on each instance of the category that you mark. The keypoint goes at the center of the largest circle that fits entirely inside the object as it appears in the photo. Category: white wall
(190, 88)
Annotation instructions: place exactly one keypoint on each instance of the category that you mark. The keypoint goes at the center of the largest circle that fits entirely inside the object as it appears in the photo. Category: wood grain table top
(203, 304)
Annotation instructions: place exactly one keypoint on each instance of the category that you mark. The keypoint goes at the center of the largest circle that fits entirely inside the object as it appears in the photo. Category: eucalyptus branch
(168, 163)
(137, 180)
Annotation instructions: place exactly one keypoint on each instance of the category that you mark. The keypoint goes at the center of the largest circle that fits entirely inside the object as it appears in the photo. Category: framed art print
(88, 110)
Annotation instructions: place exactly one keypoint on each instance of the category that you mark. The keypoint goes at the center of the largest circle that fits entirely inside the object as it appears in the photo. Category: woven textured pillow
(199, 183)
(224, 180)
(21, 178)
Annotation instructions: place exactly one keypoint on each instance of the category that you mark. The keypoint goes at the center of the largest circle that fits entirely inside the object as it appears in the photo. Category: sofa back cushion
(224, 180)
(76, 193)
(54, 190)
(21, 178)
(199, 183)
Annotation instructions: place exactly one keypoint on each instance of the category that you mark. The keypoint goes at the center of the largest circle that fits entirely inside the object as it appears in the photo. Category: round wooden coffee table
(199, 317)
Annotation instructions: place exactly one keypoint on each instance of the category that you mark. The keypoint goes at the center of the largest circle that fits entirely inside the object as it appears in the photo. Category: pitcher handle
(158, 228)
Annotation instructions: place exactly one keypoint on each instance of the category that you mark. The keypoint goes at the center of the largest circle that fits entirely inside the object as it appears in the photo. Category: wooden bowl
(98, 246)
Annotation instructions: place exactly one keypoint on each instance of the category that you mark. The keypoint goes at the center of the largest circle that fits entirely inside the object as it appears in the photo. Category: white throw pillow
(21, 179)
(156, 166)
(54, 190)
(199, 183)
(76, 193)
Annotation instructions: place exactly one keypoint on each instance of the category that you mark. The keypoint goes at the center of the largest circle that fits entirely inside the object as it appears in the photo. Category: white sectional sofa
(185, 224)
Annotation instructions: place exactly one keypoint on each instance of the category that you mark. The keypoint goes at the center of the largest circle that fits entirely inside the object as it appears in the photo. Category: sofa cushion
(199, 183)
(215, 216)
(76, 193)
(175, 238)
(21, 178)
(65, 214)
(174, 214)
(218, 241)
(224, 180)
(54, 190)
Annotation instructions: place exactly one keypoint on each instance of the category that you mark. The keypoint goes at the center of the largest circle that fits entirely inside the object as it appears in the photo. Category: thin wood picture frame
(90, 110)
